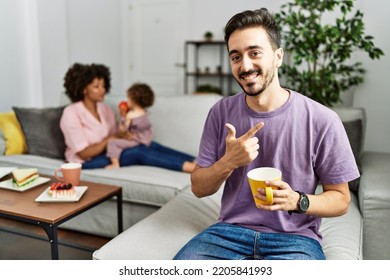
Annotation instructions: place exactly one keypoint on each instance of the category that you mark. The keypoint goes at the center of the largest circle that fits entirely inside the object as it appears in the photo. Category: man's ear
(279, 53)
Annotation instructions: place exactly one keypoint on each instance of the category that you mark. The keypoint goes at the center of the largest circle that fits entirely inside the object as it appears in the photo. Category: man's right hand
(241, 151)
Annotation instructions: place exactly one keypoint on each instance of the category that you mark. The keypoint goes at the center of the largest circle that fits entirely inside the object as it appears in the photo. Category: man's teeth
(249, 77)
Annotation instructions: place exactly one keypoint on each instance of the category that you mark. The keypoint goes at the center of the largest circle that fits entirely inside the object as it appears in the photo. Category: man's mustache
(250, 72)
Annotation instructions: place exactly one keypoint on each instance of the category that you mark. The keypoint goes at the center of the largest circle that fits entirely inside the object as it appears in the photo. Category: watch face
(304, 203)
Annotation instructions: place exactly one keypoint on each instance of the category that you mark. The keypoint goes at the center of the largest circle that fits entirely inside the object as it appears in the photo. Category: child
(134, 121)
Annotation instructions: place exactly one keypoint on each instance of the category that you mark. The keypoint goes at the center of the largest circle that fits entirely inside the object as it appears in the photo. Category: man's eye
(235, 58)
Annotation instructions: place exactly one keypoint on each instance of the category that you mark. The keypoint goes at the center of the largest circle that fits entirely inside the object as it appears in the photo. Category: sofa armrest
(374, 201)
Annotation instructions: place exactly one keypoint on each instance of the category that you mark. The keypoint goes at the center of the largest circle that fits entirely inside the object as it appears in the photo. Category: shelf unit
(224, 77)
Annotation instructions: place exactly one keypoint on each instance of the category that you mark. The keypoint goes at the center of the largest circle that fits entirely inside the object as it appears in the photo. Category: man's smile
(248, 76)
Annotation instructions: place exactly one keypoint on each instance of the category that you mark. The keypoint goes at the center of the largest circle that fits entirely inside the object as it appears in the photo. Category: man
(268, 126)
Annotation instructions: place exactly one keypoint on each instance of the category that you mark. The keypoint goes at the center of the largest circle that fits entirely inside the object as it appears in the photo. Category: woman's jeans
(225, 241)
(154, 155)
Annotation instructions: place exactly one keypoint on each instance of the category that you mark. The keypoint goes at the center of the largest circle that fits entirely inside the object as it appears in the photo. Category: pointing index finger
(251, 132)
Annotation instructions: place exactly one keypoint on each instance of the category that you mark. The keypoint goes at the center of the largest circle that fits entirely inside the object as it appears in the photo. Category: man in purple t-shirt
(268, 126)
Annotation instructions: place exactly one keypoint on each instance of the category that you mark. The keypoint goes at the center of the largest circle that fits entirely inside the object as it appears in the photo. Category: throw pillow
(15, 142)
(354, 131)
(2, 143)
(41, 128)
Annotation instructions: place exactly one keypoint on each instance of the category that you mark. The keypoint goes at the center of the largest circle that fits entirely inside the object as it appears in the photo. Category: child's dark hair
(256, 18)
(81, 75)
(141, 94)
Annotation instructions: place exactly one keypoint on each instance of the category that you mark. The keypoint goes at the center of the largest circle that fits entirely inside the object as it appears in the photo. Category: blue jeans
(226, 241)
(154, 155)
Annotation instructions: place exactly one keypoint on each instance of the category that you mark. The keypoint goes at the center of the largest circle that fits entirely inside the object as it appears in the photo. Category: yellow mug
(257, 178)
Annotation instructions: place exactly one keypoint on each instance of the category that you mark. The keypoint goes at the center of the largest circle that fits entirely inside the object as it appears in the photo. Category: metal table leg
(52, 234)
(120, 211)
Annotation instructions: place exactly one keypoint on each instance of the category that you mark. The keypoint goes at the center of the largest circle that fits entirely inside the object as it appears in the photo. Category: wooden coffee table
(21, 206)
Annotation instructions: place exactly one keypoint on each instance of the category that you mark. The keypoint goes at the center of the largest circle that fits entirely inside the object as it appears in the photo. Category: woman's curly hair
(81, 75)
(141, 94)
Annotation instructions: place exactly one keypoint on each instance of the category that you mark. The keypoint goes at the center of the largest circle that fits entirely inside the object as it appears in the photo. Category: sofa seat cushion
(343, 236)
(45, 165)
(142, 184)
(161, 235)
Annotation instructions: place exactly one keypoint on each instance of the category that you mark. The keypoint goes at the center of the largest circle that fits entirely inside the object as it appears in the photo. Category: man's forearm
(207, 181)
(333, 202)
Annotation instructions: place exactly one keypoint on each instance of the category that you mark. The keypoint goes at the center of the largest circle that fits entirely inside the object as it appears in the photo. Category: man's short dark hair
(256, 18)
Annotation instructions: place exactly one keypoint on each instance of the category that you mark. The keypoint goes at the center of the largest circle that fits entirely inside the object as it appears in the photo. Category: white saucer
(46, 197)
(8, 184)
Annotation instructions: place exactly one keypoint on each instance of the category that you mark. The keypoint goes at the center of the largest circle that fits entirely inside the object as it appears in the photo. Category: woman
(88, 125)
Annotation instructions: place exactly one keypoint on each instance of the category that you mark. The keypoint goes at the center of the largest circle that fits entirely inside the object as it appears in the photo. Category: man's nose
(246, 64)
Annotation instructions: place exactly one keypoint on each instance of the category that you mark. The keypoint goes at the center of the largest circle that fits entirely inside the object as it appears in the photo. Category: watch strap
(302, 195)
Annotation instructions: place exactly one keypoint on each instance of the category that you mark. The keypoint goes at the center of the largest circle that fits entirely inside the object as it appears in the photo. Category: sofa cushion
(13, 135)
(2, 143)
(142, 184)
(343, 235)
(45, 165)
(45, 139)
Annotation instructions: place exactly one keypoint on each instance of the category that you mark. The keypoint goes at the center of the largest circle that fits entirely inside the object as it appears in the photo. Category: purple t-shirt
(303, 138)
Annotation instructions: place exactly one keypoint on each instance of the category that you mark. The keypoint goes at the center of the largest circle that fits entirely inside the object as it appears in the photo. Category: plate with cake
(23, 179)
(61, 192)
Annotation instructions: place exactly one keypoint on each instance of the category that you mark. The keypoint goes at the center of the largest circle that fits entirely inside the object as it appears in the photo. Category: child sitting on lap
(135, 122)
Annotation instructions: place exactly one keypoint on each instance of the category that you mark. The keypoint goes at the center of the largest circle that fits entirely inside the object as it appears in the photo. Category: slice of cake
(61, 190)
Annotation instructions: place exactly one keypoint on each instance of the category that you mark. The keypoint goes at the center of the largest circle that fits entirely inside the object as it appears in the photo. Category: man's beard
(267, 81)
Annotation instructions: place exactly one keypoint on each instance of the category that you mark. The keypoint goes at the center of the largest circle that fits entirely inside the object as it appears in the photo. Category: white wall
(19, 53)
(42, 38)
(53, 42)
(94, 30)
(374, 94)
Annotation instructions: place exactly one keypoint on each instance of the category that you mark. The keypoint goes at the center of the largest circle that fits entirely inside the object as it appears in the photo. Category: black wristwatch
(303, 204)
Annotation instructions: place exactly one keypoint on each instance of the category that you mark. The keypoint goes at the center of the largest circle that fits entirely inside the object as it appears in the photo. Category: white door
(154, 44)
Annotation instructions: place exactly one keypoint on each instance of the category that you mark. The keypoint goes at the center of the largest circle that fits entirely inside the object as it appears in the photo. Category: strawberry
(60, 186)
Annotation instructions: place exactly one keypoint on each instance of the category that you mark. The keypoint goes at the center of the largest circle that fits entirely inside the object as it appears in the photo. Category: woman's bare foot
(114, 163)
(112, 166)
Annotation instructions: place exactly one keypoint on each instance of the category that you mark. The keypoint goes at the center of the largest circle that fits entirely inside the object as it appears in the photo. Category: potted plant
(318, 52)
(208, 36)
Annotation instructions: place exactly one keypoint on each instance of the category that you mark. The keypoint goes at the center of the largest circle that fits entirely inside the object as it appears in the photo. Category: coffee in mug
(257, 178)
(70, 173)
